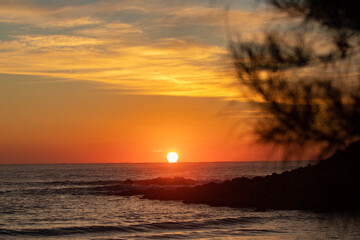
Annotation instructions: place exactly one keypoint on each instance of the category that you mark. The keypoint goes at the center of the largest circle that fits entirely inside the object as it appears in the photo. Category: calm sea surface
(59, 202)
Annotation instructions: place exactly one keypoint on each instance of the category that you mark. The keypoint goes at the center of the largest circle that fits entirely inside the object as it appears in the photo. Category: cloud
(27, 12)
(40, 41)
(171, 66)
(110, 30)
(241, 20)
(122, 44)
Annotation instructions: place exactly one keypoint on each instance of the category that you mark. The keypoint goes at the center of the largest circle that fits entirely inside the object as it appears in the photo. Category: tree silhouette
(306, 77)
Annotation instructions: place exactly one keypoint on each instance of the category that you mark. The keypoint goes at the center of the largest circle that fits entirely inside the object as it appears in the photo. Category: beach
(65, 201)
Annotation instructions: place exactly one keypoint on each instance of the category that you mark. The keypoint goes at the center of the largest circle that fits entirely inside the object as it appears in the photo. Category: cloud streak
(125, 45)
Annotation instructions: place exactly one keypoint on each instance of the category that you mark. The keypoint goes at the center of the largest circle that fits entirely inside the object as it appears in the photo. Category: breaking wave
(180, 225)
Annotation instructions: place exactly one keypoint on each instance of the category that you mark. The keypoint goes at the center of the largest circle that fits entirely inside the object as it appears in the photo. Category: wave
(123, 188)
(4, 191)
(145, 182)
(182, 225)
(80, 183)
(82, 190)
(205, 234)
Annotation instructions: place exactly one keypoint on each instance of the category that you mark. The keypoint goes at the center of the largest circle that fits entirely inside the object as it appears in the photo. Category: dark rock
(162, 181)
(128, 181)
(330, 185)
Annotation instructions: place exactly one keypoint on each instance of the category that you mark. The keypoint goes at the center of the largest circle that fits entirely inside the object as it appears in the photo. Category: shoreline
(326, 186)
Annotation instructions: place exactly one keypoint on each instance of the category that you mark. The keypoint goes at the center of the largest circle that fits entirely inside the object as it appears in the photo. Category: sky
(124, 81)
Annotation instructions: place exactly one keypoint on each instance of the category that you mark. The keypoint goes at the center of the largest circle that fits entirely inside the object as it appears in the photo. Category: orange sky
(122, 81)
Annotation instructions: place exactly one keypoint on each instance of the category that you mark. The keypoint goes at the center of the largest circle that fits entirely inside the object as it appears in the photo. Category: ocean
(81, 201)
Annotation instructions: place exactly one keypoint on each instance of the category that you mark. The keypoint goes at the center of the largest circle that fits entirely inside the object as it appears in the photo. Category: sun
(172, 157)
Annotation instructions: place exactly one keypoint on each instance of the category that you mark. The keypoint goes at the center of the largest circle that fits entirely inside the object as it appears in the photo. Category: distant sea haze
(83, 202)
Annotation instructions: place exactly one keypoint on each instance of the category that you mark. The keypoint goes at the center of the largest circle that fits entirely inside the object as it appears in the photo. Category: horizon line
(152, 162)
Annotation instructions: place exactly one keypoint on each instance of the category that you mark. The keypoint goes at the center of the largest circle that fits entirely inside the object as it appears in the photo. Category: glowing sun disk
(172, 157)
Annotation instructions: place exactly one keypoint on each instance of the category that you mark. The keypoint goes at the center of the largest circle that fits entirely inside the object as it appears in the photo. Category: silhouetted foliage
(339, 15)
(311, 92)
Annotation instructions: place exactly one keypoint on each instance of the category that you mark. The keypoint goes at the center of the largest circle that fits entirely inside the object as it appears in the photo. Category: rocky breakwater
(330, 185)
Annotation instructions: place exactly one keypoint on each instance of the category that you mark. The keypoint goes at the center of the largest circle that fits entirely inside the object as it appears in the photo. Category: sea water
(59, 202)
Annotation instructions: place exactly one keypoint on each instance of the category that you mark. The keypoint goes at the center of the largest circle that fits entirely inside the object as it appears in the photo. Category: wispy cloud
(134, 46)
(113, 29)
(40, 41)
(29, 13)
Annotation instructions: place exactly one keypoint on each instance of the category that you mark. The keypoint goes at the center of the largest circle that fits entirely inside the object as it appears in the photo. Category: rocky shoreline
(330, 185)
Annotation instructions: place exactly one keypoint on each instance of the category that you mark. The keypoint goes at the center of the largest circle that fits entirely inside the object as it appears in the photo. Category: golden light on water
(172, 157)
